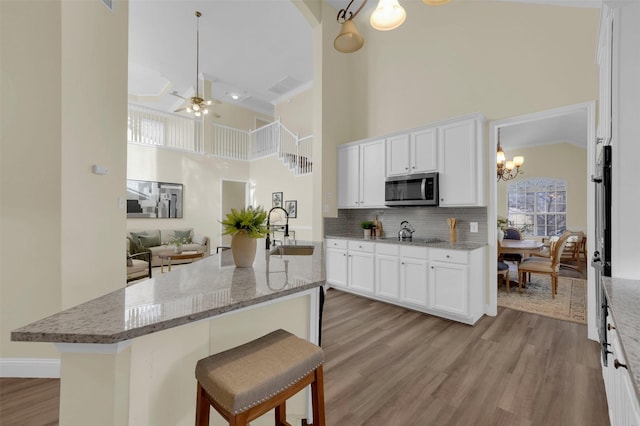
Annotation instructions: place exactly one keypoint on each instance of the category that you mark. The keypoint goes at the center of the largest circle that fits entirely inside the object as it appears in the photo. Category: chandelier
(388, 15)
(507, 170)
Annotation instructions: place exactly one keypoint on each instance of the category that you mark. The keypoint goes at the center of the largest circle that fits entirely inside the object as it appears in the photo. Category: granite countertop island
(204, 289)
(623, 296)
(416, 241)
(128, 357)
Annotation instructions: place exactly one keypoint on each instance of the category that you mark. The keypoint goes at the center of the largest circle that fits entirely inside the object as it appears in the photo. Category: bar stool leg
(281, 414)
(202, 407)
(317, 398)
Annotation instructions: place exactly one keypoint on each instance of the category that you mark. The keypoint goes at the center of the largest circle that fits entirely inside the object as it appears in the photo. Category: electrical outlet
(473, 226)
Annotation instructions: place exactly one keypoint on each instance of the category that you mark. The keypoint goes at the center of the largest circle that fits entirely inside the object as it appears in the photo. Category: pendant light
(388, 15)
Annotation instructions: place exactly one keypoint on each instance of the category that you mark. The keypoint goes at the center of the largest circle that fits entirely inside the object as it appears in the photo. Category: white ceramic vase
(243, 249)
(500, 235)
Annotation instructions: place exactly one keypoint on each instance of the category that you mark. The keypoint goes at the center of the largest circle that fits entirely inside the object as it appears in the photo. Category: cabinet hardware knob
(406, 168)
(413, 167)
(448, 256)
(432, 267)
(618, 364)
(610, 327)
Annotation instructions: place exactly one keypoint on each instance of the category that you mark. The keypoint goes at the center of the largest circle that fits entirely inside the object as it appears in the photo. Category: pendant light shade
(435, 2)
(388, 15)
(349, 40)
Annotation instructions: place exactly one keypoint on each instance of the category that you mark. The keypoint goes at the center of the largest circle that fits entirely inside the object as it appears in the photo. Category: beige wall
(55, 248)
(296, 113)
(500, 59)
(560, 161)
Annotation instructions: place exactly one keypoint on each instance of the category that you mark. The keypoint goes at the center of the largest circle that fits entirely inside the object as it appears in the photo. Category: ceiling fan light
(189, 109)
(197, 114)
(388, 15)
(208, 102)
(205, 111)
(349, 40)
(196, 107)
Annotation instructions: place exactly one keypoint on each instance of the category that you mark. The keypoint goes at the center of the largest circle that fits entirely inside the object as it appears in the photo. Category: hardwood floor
(29, 402)
(388, 366)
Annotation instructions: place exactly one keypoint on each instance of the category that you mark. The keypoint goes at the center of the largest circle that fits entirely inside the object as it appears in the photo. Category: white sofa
(158, 241)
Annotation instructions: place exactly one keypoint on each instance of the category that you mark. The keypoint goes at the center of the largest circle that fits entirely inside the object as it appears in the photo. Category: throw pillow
(134, 245)
(135, 236)
(184, 235)
(149, 240)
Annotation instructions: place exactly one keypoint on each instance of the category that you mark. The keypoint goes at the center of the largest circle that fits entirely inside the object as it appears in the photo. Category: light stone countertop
(420, 242)
(203, 289)
(624, 301)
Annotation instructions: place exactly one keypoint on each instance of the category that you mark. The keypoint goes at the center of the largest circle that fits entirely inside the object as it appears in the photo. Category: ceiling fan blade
(174, 93)
(180, 110)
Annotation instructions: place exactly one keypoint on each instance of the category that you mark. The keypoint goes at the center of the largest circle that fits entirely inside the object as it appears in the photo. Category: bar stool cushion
(249, 374)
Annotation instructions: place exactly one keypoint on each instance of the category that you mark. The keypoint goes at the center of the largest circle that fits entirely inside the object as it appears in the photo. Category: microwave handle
(423, 188)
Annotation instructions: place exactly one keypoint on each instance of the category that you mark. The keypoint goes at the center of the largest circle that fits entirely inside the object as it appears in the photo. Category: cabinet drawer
(360, 246)
(454, 256)
(388, 249)
(338, 244)
(415, 252)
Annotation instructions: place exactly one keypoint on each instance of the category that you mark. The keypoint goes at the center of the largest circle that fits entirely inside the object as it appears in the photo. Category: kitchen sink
(292, 250)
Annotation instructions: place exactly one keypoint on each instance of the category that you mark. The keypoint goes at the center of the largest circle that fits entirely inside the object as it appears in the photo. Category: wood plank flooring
(388, 366)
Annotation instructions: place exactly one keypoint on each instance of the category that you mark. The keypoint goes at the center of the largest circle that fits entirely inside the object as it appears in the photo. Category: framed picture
(147, 199)
(276, 199)
(291, 206)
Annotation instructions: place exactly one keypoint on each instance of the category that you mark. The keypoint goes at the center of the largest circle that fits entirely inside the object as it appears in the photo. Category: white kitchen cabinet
(361, 266)
(336, 262)
(414, 275)
(361, 175)
(387, 271)
(412, 152)
(401, 274)
(453, 294)
(461, 163)
(604, 57)
(624, 409)
(449, 280)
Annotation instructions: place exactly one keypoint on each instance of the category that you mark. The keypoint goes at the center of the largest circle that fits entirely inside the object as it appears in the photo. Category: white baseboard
(30, 367)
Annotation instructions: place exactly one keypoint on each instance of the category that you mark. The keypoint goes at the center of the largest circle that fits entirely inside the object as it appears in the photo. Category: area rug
(570, 303)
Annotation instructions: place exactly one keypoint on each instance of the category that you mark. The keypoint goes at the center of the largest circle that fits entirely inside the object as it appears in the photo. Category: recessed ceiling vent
(108, 3)
(285, 85)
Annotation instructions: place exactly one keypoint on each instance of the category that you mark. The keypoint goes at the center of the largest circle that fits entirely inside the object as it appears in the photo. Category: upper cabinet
(454, 148)
(414, 152)
(361, 175)
(462, 172)
(604, 58)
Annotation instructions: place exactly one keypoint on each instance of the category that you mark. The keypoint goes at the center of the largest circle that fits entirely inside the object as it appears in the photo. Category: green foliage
(367, 224)
(249, 220)
(502, 223)
(177, 241)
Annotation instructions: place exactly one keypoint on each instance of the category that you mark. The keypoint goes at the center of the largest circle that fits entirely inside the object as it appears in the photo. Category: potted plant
(502, 225)
(367, 225)
(245, 226)
(177, 242)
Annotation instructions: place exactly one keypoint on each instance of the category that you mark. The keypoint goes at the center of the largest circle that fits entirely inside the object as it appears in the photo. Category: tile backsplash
(429, 222)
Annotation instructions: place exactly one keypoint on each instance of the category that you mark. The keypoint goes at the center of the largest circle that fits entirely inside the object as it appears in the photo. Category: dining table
(523, 247)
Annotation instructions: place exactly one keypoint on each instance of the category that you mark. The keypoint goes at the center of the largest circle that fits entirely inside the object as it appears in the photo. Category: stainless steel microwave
(412, 190)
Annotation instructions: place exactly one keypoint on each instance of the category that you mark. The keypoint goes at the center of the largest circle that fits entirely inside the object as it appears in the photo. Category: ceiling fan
(196, 104)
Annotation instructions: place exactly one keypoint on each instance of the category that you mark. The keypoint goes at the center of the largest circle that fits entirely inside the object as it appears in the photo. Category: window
(538, 206)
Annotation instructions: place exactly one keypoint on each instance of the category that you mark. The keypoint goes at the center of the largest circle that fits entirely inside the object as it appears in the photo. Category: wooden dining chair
(512, 234)
(541, 265)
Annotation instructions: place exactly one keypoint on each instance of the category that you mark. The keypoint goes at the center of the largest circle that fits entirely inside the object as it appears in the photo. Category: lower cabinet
(414, 275)
(621, 395)
(430, 280)
(360, 266)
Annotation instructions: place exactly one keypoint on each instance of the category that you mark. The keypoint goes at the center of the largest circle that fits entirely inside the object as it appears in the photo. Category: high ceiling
(260, 50)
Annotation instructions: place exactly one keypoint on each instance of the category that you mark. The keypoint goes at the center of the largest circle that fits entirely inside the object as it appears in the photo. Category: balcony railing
(173, 131)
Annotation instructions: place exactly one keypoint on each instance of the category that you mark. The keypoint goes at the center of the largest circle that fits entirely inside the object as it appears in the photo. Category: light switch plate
(473, 226)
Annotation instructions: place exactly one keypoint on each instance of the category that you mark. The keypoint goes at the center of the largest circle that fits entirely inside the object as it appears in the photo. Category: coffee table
(170, 255)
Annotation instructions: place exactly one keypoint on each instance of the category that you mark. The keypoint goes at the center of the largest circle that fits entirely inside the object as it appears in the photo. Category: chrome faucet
(286, 226)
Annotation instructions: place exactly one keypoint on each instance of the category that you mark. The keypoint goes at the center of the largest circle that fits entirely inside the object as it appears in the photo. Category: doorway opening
(573, 126)
(234, 194)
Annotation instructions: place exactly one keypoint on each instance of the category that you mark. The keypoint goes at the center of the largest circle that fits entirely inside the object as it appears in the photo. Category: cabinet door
(372, 174)
(387, 276)
(459, 180)
(348, 176)
(413, 281)
(336, 267)
(424, 152)
(398, 155)
(449, 288)
(361, 271)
